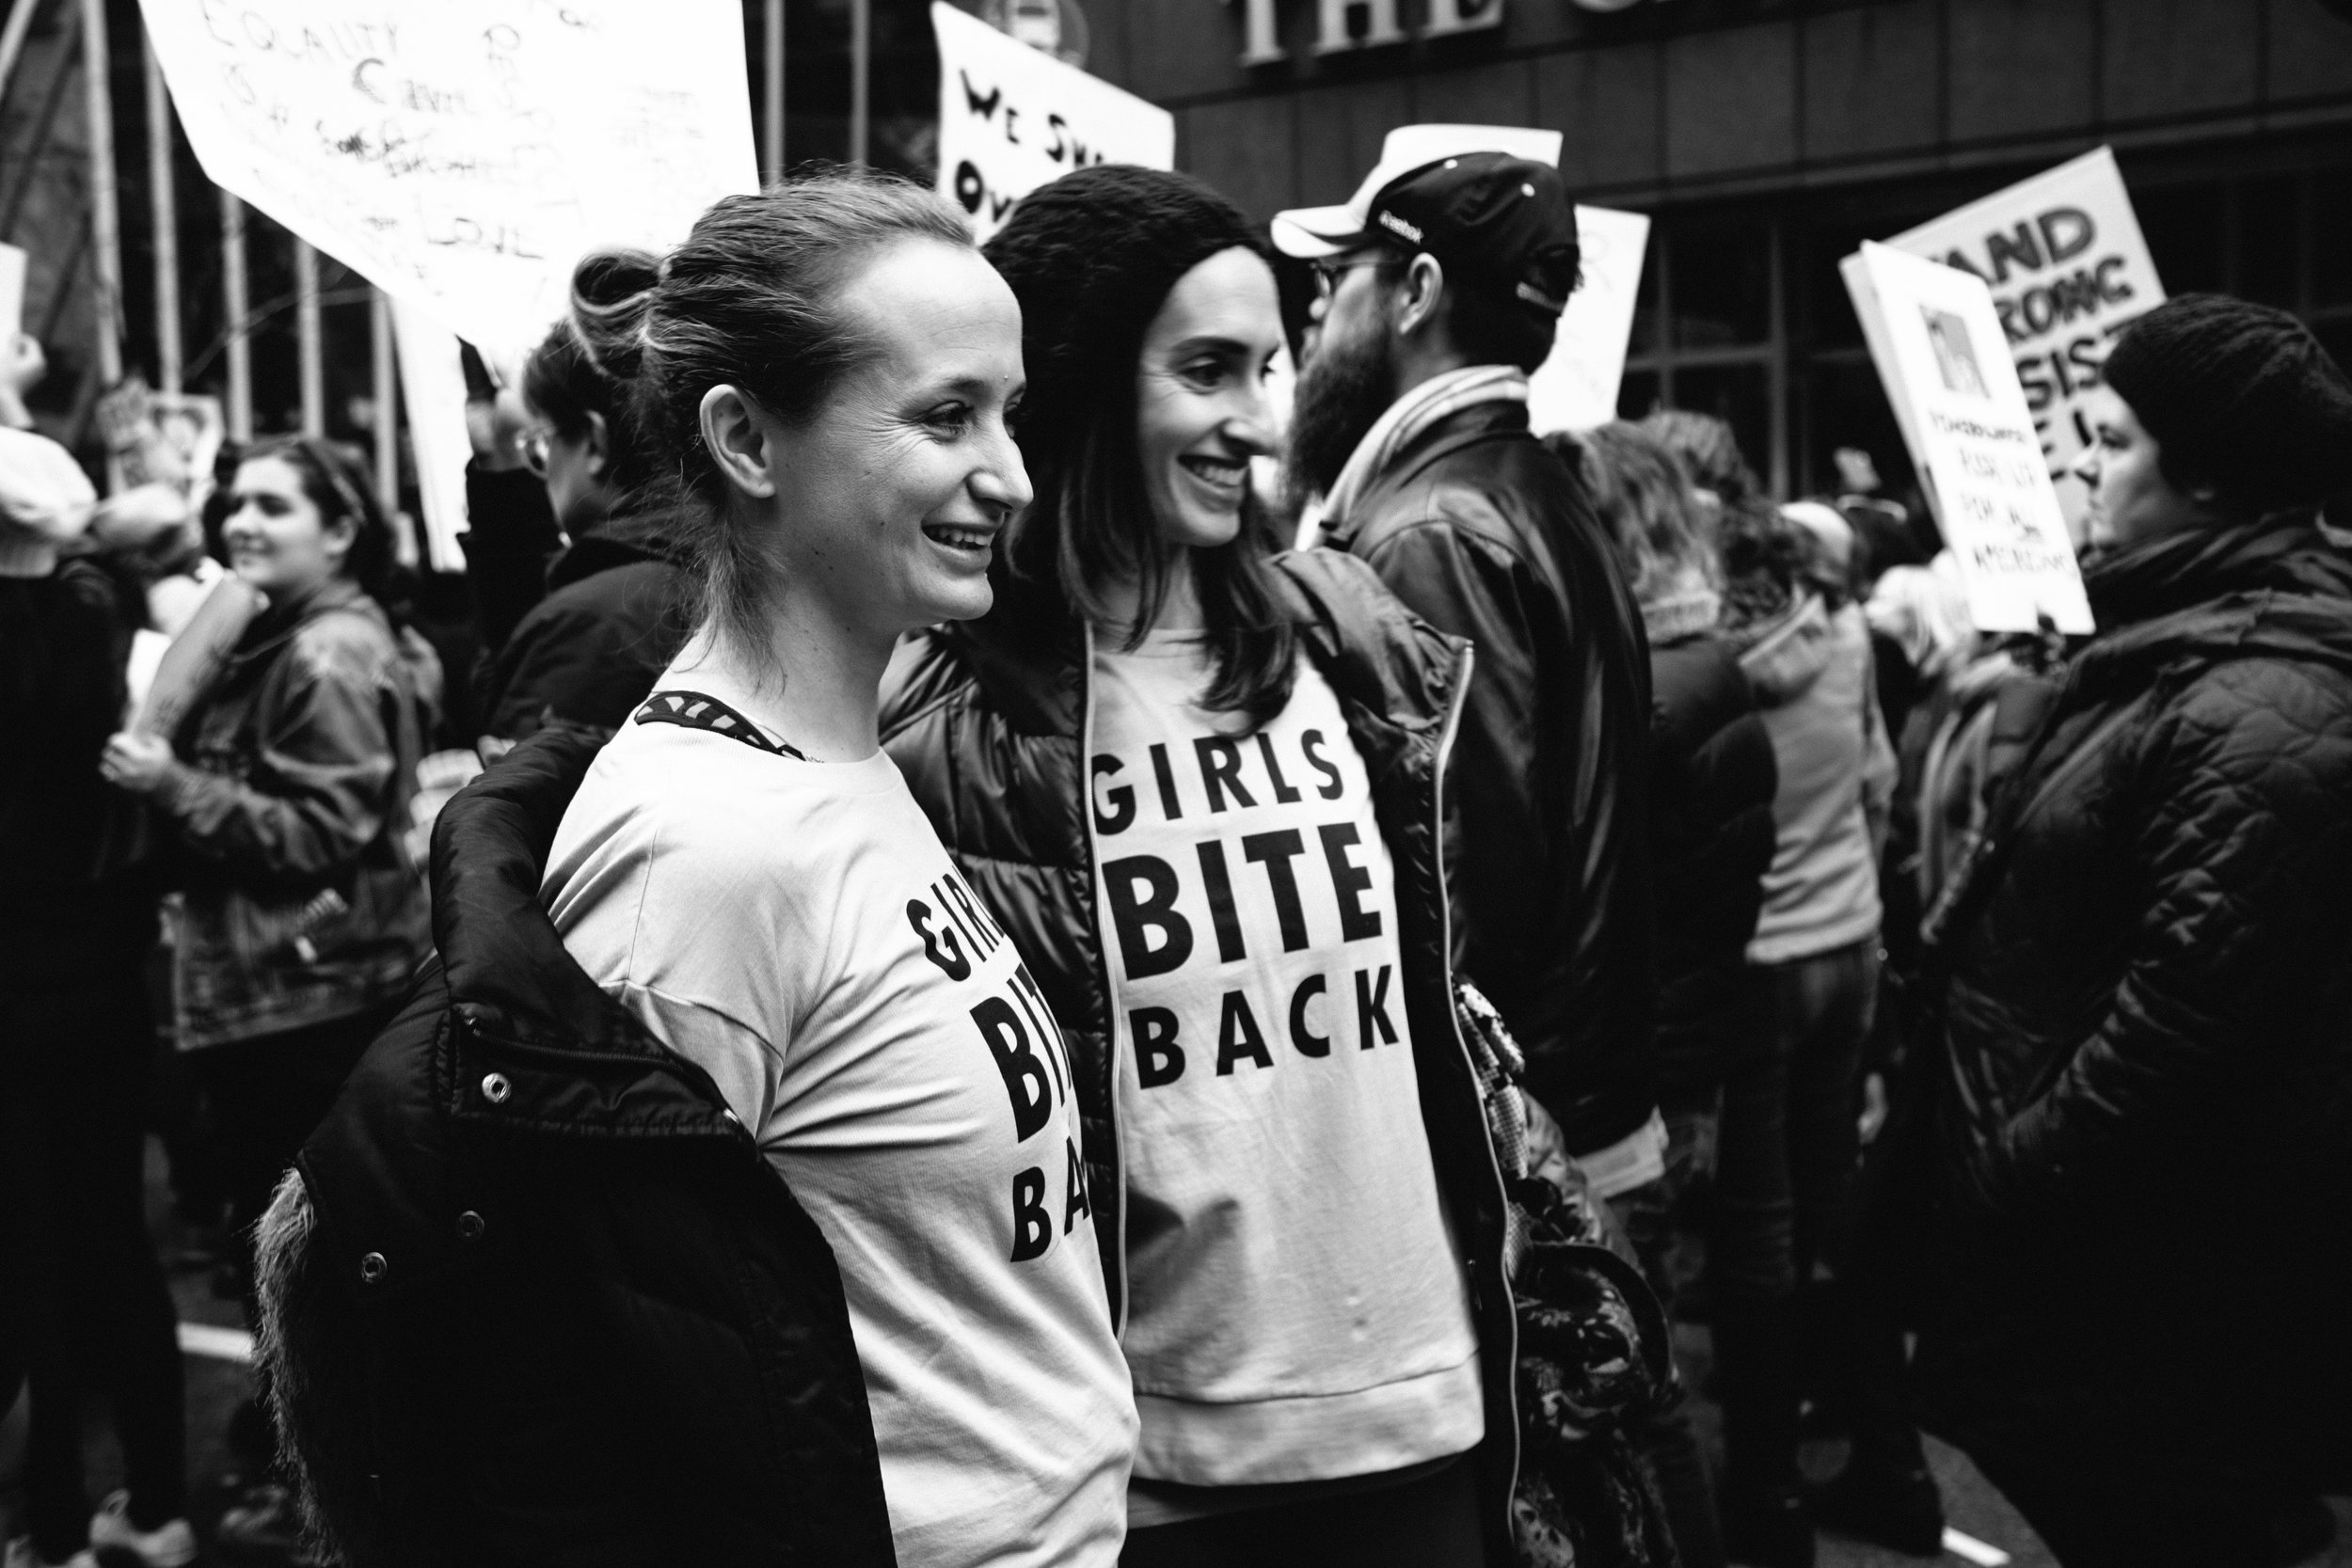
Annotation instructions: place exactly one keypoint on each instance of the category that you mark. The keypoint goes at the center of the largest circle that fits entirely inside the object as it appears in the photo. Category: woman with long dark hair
(1198, 783)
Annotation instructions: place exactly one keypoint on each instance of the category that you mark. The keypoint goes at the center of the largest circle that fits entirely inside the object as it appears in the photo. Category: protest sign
(1935, 334)
(1012, 117)
(463, 154)
(2063, 257)
(1576, 388)
(12, 260)
(432, 388)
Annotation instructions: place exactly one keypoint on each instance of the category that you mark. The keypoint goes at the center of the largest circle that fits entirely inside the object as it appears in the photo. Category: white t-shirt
(796, 929)
(1296, 1309)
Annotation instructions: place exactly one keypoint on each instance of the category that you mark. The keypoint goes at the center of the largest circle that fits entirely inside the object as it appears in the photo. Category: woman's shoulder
(350, 635)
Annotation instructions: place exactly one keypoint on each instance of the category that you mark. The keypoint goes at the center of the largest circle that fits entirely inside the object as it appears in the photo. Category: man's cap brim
(1310, 232)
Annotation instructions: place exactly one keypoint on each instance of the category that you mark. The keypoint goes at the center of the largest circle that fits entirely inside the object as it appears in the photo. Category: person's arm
(318, 795)
(2244, 860)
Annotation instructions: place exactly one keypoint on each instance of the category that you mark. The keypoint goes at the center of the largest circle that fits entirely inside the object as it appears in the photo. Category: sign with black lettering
(463, 154)
(1936, 335)
(2068, 270)
(1012, 117)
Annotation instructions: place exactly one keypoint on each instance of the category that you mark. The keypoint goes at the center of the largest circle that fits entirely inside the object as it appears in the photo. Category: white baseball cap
(1312, 232)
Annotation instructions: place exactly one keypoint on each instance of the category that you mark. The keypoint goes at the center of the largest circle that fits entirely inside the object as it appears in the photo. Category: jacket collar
(1439, 437)
(284, 617)
(1469, 386)
(2273, 587)
(622, 541)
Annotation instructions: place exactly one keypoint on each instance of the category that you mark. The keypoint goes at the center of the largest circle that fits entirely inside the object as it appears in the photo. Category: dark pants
(99, 1314)
(1665, 1220)
(1429, 1523)
(1788, 1157)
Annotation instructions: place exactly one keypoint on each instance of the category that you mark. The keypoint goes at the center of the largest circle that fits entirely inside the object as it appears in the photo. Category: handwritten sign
(2063, 257)
(1576, 388)
(1935, 332)
(1012, 119)
(463, 154)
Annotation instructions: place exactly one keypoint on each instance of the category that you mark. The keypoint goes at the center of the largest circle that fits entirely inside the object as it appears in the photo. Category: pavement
(218, 1384)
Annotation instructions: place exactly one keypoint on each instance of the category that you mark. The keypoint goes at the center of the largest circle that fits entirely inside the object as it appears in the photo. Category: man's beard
(1341, 394)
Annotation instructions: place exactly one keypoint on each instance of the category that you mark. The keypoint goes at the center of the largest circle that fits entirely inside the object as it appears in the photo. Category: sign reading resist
(2063, 256)
(1012, 119)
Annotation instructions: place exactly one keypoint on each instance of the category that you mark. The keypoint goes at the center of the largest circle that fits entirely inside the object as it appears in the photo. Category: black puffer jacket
(1486, 534)
(555, 1307)
(1712, 779)
(2147, 1107)
(989, 721)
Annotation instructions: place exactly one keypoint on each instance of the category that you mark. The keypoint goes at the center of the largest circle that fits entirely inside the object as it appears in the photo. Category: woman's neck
(1179, 607)
(817, 682)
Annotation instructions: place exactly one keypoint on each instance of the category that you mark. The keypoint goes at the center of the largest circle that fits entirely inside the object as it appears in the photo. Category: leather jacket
(1487, 535)
(550, 1304)
(301, 903)
(989, 723)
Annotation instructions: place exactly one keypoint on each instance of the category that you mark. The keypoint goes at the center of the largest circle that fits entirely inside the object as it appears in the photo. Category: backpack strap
(694, 711)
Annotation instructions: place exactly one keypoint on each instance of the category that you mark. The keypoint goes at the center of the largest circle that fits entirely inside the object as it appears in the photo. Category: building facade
(1768, 137)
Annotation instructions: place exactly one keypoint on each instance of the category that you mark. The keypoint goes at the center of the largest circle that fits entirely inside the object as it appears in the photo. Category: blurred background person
(579, 638)
(82, 1302)
(285, 791)
(1711, 784)
(2145, 1028)
(1791, 1151)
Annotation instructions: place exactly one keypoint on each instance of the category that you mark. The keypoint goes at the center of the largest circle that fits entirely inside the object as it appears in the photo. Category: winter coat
(989, 723)
(1712, 779)
(588, 653)
(300, 904)
(2146, 1099)
(1487, 535)
(551, 1303)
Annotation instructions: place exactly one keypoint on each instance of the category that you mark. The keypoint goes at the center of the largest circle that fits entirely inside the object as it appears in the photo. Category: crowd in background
(1958, 1027)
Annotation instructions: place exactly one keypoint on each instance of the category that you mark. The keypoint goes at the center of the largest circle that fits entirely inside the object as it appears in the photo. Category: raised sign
(463, 154)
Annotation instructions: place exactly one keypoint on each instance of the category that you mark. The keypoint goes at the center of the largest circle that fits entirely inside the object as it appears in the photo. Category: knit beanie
(2238, 396)
(1091, 258)
(45, 501)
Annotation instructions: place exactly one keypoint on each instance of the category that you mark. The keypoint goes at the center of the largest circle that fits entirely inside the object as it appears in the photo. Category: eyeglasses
(534, 448)
(1330, 269)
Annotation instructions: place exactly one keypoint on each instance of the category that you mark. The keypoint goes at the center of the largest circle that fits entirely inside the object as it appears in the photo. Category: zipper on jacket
(1454, 704)
(1102, 959)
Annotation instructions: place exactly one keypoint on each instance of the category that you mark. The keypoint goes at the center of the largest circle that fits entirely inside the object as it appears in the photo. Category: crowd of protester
(1048, 966)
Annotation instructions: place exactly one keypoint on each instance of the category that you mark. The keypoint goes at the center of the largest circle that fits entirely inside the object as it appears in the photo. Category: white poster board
(463, 154)
(433, 389)
(1012, 117)
(2063, 256)
(1576, 388)
(12, 261)
(1935, 335)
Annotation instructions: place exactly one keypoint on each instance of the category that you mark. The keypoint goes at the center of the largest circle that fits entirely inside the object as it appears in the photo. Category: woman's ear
(742, 439)
(599, 446)
(336, 538)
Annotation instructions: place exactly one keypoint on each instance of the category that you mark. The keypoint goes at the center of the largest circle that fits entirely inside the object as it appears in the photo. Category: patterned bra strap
(698, 712)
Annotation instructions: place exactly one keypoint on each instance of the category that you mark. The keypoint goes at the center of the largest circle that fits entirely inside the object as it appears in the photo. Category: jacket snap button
(732, 1118)
(470, 1226)
(495, 1088)
(373, 1268)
